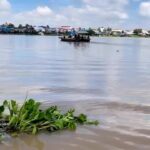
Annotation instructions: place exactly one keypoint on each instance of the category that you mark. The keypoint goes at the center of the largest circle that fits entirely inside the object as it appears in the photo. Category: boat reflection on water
(79, 45)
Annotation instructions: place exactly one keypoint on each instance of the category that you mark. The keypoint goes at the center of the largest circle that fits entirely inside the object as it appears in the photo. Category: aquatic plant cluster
(31, 119)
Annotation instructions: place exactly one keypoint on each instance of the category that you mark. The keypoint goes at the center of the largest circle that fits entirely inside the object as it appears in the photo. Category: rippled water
(108, 79)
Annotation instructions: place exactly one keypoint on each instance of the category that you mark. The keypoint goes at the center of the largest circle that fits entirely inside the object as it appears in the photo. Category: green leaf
(82, 118)
(5, 103)
(59, 124)
(2, 109)
(14, 107)
(72, 125)
(34, 131)
(93, 122)
(13, 121)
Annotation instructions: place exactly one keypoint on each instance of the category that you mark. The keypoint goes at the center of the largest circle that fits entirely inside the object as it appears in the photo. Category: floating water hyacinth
(29, 118)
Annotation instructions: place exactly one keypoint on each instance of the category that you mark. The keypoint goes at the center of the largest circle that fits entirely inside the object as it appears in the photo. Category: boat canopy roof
(83, 32)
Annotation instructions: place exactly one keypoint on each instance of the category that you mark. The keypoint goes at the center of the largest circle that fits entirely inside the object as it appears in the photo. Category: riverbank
(28, 34)
(57, 35)
(113, 36)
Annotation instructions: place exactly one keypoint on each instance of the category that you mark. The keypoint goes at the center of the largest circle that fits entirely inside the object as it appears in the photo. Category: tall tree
(91, 31)
(137, 31)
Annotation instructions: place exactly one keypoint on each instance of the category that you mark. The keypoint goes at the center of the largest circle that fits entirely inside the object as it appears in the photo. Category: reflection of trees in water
(77, 45)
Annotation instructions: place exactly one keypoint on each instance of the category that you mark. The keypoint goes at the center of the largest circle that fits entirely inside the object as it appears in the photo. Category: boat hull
(74, 40)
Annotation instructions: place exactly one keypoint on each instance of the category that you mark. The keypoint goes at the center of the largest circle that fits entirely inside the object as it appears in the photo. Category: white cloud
(5, 10)
(43, 11)
(145, 9)
(96, 12)
(4, 5)
(91, 13)
(42, 15)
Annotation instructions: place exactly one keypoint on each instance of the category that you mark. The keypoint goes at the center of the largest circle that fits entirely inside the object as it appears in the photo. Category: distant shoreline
(133, 36)
(11, 29)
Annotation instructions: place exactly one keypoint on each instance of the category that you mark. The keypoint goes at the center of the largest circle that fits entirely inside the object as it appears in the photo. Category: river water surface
(108, 79)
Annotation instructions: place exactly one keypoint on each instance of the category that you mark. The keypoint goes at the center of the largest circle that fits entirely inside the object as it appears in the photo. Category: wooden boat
(81, 36)
(67, 39)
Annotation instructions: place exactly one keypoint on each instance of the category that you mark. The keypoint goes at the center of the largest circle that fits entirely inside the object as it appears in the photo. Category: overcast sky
(83, 13)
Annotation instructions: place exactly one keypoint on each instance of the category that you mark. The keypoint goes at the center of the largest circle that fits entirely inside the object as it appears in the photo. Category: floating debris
(29, 118)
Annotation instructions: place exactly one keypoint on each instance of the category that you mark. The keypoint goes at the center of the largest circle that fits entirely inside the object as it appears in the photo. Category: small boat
(81, 36)
(67, 39)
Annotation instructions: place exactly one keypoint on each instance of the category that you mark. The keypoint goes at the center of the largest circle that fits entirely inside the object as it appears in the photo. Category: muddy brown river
(108, 79)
